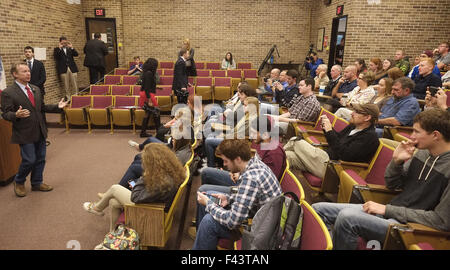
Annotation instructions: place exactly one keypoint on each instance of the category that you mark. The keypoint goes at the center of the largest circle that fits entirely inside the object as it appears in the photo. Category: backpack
(276, 225)
(122, 238)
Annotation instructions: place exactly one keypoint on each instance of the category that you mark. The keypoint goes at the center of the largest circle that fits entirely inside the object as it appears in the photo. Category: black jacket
(95, 51)
(148, 83)
(180, 77)
(63, 61)
(359, 147)
(38, 75)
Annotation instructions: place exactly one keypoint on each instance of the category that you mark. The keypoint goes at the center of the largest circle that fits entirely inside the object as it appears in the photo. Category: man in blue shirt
(312, 62)
(285, 94)
(400, 108)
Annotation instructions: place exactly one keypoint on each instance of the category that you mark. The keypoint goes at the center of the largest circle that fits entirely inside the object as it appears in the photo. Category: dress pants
(69, 79)
(33, 161)
(96, 74)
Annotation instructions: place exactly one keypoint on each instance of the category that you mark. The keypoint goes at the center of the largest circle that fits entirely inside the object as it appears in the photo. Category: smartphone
(214, 199)
(132, 183)
(433, 90)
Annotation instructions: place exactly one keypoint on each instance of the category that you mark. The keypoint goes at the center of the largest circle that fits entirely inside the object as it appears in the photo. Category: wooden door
(107, 28)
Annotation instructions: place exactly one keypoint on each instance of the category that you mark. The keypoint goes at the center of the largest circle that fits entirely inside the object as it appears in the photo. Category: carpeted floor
(78, 166)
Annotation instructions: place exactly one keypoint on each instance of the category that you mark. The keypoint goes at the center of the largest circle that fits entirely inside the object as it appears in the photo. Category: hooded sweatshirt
(425, 196)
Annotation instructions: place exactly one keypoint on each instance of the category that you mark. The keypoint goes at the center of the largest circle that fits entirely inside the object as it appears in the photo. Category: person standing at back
(37, 69)
(65, 66)
(95, 50)
(180, 77)
(191, 69)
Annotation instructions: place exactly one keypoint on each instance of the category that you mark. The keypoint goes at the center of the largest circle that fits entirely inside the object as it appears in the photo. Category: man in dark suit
(38, 75)
(180, 77)
(23, 105)
(95, 51)
(65, 65)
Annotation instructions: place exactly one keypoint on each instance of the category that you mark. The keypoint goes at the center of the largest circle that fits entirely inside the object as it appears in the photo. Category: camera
(309, 58)
(433, 90)
(265, 80)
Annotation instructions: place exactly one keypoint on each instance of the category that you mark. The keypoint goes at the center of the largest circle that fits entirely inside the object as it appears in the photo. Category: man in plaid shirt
(304, 107)
(257, 186)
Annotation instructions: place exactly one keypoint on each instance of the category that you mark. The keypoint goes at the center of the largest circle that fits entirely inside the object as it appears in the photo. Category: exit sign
(339, 10)
(99, 12)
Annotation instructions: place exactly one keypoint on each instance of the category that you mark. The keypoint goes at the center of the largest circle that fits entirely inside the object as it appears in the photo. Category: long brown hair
(162, 169)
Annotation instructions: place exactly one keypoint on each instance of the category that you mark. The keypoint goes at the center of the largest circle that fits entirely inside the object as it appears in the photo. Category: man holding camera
(65, 65)
(425, 79)
(312, 62)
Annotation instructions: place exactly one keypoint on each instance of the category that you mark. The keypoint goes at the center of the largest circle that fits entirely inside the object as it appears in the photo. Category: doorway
(107, 28)
(337, 42)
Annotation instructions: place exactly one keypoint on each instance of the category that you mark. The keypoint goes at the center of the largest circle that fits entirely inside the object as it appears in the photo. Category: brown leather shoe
(20, 190)
(42, 187)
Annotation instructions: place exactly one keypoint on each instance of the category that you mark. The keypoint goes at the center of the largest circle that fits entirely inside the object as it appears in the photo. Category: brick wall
(40, 24)
(378, 30)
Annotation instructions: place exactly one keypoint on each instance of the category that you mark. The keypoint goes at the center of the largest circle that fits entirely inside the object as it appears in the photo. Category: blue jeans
(149, 140)
(208, 234)
(212, 176)
(210, 149)
(133, 172)
(33, 161)
(379, 132)
(351, 222)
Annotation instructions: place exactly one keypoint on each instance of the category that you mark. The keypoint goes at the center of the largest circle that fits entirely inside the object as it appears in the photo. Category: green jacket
(403, 64)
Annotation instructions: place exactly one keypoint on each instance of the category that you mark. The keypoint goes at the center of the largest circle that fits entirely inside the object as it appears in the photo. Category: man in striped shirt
(257, 186)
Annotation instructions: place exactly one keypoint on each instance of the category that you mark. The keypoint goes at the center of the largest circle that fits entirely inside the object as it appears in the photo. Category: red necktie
(30, 95)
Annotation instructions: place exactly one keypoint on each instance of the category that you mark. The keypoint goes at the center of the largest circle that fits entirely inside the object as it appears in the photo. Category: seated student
(439, 100)
(376, 66)
(426, 78)
(285, 95)
(258, 185)
(239, 130)
(395, 73)
(356, 143)
(401, 61)
(415, 70)
(336, 74)
(424, 180)
(442, 55)
(362, 94)
(228, 62)
(304, 107)
(401, 108)
(321, 78)
(163, 174)
(136, 69)
(384, 92)
(360, 65)
(346, 83)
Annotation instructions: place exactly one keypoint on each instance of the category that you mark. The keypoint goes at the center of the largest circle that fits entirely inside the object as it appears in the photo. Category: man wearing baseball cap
(357, 142)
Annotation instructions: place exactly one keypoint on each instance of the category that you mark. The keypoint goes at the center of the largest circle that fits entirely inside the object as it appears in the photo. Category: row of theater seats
(199, 65)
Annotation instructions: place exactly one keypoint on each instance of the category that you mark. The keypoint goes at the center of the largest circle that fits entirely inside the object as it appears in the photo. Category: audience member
(401, 62)
(274, 76)
(347, 82)
(439, 100)
(401, 108)
(305, 107)
(376, 66)
(362, 94)
(321, 79)
(136, 69)
(285, 95)
(191, 69)
(384, 92)
(425, 194)
(442, 55)
(162, 175)
(23, 105)
(95, 51)
(387, 64)
(257, 186)
(336, 74)
(426, 78)
(228, 62)
(356, 143)
(37, 69)
(147, 98)
(360, 66)
(395, 73)
(415, 70)
(66, 67)
(312, 62)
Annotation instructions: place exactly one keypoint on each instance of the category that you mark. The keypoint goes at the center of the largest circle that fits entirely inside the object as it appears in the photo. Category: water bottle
(321, 90)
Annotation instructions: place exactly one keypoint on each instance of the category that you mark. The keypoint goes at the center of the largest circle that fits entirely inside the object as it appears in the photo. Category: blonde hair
(161, 169)
(187, 43)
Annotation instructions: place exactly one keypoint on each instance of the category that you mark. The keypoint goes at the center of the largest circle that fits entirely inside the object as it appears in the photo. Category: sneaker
(100, 195)
(132, 143)
(192, 231)
(88, 206)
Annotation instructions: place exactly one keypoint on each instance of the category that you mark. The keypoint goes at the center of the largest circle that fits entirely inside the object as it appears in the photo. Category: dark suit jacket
(180, 77)
(25, 130)
(63, 61)
(38, 75)
(95, 51)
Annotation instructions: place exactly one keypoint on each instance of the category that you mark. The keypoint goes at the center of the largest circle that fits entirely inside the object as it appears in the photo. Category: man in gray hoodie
(424, 180)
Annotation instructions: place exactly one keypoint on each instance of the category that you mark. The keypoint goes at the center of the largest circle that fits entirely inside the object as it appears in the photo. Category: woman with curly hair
(163, 174)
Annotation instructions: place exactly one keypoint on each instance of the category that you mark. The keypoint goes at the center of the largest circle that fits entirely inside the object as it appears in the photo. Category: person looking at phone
(423, 176)
(436, 99)
(258, 185)
(162, 175)
(357, 142)
(426, 78)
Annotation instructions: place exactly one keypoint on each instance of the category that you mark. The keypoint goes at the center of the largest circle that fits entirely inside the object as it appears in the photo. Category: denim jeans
(33, 161)
(210, 149)
(212, 176)
(351, 222)
(133, 172)
(208, 234)
(149, 140)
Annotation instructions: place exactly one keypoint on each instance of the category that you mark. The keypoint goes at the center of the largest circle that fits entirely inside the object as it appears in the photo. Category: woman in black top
(147, 98)
(191, 69)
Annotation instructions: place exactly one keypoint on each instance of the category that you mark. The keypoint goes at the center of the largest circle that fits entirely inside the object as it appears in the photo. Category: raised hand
(62, 103)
